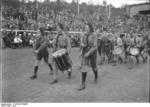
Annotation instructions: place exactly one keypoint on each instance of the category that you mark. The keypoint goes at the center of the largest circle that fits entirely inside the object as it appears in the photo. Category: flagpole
(1, 14)
(109, 11)
(78, 7)
(36, 6)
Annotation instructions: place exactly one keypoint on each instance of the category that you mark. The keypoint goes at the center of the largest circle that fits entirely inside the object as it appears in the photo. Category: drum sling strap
(57, 41)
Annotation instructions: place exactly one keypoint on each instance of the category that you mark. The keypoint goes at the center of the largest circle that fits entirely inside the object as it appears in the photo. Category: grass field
(116, 83)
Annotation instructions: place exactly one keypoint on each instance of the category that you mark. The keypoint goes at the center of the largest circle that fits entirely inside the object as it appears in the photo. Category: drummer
(62, 41)
(126, 44)
(41, 51)
(101, 45)
(89, 55)
(140, 45)
(131, 44)
(120, 45)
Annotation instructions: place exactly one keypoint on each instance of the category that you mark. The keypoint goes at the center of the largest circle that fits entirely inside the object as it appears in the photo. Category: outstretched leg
(93, 61)
(34, 76)
(55, 70)
(95, 71)
(46, 59)
(83, 76)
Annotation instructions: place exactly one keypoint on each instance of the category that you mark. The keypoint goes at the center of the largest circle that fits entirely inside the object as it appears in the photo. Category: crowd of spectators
(32, 19)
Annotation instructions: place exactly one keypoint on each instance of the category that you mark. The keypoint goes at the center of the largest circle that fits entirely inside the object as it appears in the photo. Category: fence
(33, 31)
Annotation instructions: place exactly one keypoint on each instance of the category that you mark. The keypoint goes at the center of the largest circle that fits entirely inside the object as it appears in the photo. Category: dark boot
(69, 74)
(96, 76)
(35, 73)
(120, 59)
(137, 59)
(53, 82)
(82, 87)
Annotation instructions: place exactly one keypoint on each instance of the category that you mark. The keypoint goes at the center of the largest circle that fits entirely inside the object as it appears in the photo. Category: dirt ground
(116, 83)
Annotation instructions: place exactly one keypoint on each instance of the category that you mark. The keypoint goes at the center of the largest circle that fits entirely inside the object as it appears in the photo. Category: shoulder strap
(57, 40)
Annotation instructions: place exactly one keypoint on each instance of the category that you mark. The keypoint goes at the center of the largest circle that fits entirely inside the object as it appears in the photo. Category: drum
(134, 51)
(117, 50)
(62, 59)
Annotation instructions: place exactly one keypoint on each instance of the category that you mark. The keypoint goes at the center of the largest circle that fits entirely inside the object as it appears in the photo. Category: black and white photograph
(75, 51)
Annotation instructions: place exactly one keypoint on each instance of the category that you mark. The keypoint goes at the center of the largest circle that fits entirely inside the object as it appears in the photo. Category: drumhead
(134, 51)
(59, 52)
(117, 50)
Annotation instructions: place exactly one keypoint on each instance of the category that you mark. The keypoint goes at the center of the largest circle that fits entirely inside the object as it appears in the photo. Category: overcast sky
(116, 3)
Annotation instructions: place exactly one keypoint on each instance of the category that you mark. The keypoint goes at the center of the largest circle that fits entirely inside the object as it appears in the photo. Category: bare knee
(37, 62)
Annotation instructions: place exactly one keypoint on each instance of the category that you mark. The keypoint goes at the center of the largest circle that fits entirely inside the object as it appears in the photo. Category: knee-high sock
(84, 75)
(50, 66)
(35, 70)
(96, 74)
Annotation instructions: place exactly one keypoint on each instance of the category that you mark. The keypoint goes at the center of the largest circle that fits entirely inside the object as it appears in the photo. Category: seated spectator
(18, 41)
(2, 44)
(31, 41)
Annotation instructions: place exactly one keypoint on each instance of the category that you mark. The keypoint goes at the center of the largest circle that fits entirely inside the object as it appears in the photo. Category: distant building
(143, 8)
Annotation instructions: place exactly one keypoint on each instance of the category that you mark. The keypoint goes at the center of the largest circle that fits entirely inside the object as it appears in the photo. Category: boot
(53, 82)
(96, 76)
(35, 73)
(82, 87)
(69, 74)
(120, 59)
(137, 59)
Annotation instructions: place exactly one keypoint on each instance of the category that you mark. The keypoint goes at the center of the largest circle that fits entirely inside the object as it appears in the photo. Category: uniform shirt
(90, 43)
(62, 41)
(111, 37)
(138, 41)
(119, 41)
(41, 44)
(132, 42)
(127, 39)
